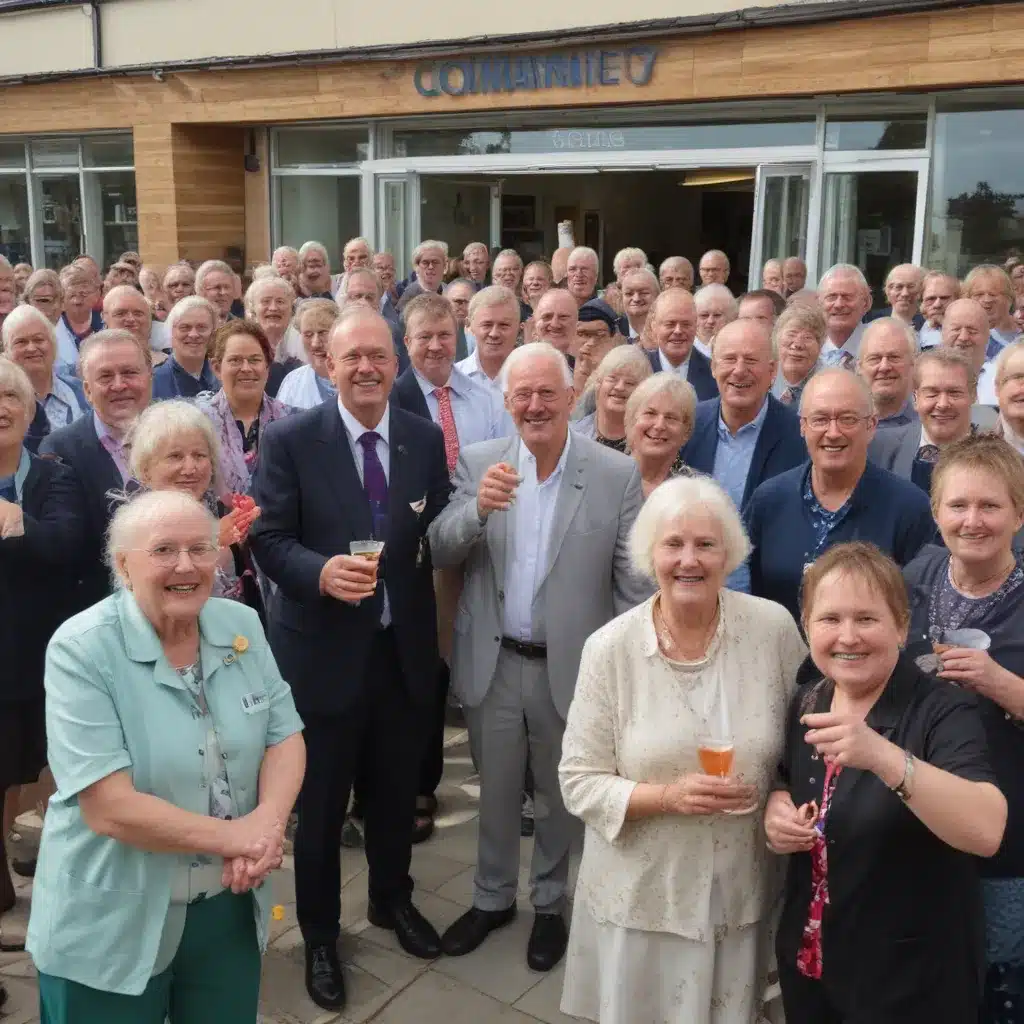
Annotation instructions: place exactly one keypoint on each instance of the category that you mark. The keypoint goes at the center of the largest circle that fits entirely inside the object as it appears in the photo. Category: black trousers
(382, 734)
(432, 764)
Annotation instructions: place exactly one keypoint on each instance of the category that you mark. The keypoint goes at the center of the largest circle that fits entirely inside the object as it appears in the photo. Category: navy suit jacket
(877, 314)
(408, 395)
(313, 506)
(398, 337)
(78, 447)
(779, 445)
(37, 585)
(698, 373)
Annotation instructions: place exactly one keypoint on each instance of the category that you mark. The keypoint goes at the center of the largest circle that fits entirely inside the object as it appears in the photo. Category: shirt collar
(102, 430)
(754, 426)
(681, 369)
(355, 429)
(456, 382)
(525, 453)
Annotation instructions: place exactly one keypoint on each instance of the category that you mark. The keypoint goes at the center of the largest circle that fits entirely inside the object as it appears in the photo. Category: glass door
(782, 207)
(873, 217)
(459, 210)
(396, 224)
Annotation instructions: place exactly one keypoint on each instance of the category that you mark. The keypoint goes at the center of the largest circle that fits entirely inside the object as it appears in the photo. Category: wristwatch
(905, 788)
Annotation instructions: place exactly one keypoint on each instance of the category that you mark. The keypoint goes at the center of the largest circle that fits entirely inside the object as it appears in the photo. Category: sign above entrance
(631, 66)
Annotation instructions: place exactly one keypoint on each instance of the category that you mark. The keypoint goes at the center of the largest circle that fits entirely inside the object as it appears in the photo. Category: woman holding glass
(670, 747)
(888, 799)
(967, 603)
(608, 390)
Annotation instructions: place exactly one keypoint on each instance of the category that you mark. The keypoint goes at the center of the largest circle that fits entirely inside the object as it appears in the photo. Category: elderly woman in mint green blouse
(670, 749)
(177, 754)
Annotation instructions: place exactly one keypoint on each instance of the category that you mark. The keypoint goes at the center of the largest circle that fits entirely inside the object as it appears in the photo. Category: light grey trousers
(517, 716)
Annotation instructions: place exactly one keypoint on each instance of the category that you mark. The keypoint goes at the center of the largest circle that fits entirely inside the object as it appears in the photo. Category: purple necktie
(375, 483)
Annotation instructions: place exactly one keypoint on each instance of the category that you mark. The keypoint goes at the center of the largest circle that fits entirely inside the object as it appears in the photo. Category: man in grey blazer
(540, 524)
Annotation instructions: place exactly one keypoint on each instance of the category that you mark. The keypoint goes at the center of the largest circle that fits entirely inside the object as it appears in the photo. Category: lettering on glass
(592, 69)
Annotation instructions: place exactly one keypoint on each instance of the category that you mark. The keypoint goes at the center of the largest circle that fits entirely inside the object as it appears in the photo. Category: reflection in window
(322, 208)
(977, 189)
(909, 132)
(321, 147)
(107, 151)
(458, 142)
(15, 241)
(60, 214)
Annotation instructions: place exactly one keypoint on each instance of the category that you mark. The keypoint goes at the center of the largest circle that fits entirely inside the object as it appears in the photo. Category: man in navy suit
(118, 382)
(357, 643)
(746, 436)
(674, 326)
(903, 286)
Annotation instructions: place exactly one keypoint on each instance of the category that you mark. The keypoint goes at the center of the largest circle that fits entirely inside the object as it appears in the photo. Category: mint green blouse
(114, 703)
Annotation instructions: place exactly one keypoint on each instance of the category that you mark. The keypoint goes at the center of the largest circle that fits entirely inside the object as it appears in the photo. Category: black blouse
(902, 934)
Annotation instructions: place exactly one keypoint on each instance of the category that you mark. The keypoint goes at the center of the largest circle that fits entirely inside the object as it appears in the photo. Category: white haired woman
(270, 302)
(44, 291)
(659, 420)
(40, 536)
(671, 745)
(608, 390)
(716, 307)
(173, 447)
(310, 385)
(178, 754)
(187, 372)
(799, 334)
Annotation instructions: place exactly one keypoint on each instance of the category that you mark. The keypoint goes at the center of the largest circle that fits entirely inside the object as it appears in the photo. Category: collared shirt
(733, 456)
(61, 404)
(529, 534)
(1004, 338)
(353, 431)
(837, 355)
(703, 348)
(929, 336)
(470, 341)
(780, 385)
(987, 384)
(470, 366)
(473, 406)
(682, 371)
(120, 458)
(12, 487)
(899, 419)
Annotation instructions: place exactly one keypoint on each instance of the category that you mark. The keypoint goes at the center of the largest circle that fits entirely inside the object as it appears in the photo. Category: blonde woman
(659, 420)
(607, 393)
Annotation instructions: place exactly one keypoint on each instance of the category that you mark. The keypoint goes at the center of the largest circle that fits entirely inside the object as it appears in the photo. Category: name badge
(255, 702)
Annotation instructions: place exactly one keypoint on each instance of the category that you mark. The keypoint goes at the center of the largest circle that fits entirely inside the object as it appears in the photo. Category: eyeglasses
(844, 420)
(167, 556)
(521, 397)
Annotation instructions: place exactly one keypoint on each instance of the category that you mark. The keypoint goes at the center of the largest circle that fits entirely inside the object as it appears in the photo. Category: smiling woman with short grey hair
(150, 899)
(670, 749)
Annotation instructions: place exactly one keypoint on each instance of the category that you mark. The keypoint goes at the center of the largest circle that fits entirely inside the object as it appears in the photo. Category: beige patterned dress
(666, 914)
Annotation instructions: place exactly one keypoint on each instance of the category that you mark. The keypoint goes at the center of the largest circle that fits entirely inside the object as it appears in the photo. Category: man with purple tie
(357, 643)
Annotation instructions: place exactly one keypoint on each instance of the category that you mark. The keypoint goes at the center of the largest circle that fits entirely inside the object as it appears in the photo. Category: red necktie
(447, 418)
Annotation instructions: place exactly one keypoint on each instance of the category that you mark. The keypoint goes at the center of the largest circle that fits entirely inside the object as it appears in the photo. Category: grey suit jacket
(587, 580)
(894, 449)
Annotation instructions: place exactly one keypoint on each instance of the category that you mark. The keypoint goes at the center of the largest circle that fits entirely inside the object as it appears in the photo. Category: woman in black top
(888, 795)
(976, 582)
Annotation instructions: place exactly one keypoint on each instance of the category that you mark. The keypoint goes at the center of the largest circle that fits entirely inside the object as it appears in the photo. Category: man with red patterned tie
(467, 412)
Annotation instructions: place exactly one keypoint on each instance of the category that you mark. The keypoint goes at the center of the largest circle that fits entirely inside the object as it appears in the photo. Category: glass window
(321, 147)
(12, 154)
(316, 207)
(459, 142)
(907, 132)
(108, 151)
(60, 216)
(55, 153)
(977, 200)
(15, 241)
(111, 214)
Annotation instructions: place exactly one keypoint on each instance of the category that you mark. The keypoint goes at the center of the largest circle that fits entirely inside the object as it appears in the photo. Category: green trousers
(214, 977)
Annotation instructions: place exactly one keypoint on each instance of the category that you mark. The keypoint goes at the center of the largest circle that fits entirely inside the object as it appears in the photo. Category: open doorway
(665, 213)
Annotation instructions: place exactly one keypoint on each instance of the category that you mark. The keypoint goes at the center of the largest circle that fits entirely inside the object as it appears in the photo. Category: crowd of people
(728, 586)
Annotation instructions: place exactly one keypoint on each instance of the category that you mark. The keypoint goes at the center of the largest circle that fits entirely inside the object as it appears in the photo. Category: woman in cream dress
(674, 880)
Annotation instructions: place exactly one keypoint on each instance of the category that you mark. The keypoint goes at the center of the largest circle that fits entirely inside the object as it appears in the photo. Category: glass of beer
(715, 753)
(371, 550)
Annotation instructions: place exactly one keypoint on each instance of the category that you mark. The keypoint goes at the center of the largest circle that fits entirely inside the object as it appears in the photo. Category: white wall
(37, 42)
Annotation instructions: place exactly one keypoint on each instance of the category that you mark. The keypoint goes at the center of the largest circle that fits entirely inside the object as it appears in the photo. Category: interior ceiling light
(716, 177)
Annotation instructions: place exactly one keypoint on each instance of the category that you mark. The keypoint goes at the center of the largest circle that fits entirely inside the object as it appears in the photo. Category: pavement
(492, 984)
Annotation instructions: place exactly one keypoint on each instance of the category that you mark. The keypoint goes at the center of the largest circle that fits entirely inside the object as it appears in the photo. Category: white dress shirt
(478, 417)
(830, 351)
(529, 536)
(300, 390)
(682, 371)
(704, 350)
(353, 431)
(987, 384)
(470, 366)
(929, 336)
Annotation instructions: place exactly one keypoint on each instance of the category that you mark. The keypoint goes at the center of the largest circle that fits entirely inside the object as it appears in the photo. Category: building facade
(866, 132)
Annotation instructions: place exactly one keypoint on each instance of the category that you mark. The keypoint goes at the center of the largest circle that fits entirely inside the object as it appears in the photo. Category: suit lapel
(706, 444)
(103, 464)
(571, 489)
(766, 441)
(340, 472)
(904, 463)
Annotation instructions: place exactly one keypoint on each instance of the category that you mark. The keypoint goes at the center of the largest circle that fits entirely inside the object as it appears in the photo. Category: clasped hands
(256, 848)
(695, 793)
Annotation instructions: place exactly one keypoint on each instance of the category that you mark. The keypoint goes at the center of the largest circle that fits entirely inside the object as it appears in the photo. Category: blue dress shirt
(478, 415)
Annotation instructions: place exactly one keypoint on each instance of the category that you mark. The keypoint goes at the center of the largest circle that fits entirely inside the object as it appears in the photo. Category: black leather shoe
(25, 868)
(470, 930)
(324, 981)
(351, 837)
(422, 828)
(415, 934)
(548, 939)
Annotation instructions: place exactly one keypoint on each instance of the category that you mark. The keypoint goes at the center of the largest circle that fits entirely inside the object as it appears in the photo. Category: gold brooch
(240, 645)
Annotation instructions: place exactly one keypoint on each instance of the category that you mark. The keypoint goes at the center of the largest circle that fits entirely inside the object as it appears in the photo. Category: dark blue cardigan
(886, 510)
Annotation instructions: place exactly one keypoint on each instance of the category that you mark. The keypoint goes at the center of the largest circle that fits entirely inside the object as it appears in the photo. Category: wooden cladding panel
(968, 46)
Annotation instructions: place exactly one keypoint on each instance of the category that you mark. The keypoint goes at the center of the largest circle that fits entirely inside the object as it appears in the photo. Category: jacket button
(497, 639)
(501, 595)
